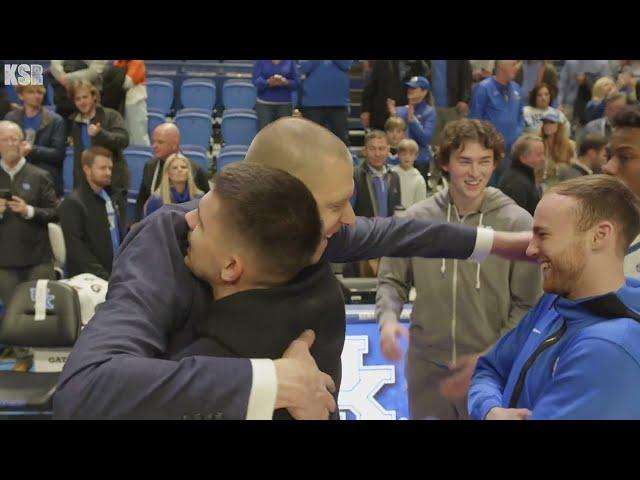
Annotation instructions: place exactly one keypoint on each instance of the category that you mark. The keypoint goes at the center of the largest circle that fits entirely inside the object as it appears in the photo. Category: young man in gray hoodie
(461, 308)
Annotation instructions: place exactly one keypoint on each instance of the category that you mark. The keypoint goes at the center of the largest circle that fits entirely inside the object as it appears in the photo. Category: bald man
(165, 142)
(121, 367)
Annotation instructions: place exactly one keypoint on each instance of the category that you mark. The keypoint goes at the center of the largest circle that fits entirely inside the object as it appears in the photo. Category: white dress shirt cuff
(264, 387)
(484, 243)
(30, 212)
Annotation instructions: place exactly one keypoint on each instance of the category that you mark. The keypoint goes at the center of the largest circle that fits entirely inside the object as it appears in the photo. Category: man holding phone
(28, 203)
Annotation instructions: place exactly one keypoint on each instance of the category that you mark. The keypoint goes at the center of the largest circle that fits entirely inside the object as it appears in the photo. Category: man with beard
(576, 354)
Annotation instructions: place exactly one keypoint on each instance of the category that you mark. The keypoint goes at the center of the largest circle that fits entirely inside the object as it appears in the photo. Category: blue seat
(196, 153)
(239, 94)
(195, 126)
(198, 93)
(239, 128)
(136, 156)
(67, 171)
(155, 118)
(234, 148)
(225, 159)
(160, 94)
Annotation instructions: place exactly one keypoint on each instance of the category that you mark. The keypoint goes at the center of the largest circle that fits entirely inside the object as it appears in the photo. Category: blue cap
(418, 82)
(551, 116)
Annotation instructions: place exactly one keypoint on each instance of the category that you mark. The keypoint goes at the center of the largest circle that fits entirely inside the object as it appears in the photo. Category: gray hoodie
(461, 307)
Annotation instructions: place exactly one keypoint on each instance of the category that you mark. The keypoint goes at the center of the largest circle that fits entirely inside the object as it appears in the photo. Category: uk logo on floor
(371, 388)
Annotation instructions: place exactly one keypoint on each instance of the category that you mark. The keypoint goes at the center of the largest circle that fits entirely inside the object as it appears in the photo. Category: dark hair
(274, 213)
(628, 117)
(90, 154)
(533, 94)
(603, 197)
(456, 133)
(591, 142)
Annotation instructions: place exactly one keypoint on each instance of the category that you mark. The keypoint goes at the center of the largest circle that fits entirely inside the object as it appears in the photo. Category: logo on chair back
(50, 297)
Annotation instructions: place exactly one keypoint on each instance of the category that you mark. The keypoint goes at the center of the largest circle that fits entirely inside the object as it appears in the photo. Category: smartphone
(5, 193)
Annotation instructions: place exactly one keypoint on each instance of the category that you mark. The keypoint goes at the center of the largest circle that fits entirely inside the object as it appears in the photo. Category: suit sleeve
(46, 209)
(400, 237)
(118, 367)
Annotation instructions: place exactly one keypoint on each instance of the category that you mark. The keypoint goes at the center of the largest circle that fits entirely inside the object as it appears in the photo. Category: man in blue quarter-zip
(576, 354)
(498, 100)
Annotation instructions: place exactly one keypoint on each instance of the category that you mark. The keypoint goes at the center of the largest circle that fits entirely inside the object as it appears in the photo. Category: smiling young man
(120, 366)
(624, 162)
(461, 308)
(576, 354)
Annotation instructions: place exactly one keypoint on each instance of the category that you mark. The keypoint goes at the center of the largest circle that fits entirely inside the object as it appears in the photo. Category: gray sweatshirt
(461, 307)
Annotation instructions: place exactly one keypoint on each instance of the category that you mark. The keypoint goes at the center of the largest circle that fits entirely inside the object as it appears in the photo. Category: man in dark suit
(165, 142)
(249, 241)
(90, 218)
(27, 205)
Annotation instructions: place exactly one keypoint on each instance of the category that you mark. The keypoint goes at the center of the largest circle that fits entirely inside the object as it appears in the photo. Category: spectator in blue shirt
(499, 101)
(419, 116)
(325, 94)
(275, 81)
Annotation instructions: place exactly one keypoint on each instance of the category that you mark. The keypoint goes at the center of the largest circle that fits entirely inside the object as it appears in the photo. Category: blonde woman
(603, 87)
(177, 185)
(559, 150)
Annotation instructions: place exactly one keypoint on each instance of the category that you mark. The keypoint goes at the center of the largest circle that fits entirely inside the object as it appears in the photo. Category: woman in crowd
(559, 150)
(177, 185)
(275, 81)
(540, 99)
(603, 87)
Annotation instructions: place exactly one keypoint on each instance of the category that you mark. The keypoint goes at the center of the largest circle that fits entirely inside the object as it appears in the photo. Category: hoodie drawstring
(480, 225)
(443, 268)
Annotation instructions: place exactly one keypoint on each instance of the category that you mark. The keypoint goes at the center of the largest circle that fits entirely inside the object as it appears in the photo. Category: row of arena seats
(199, 93)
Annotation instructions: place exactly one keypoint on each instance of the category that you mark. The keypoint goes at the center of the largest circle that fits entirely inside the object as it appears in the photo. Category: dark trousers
(268, 113)
(335, 119)
(10, 278)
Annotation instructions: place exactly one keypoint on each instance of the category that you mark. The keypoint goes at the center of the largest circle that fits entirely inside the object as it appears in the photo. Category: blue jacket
(421, 129)
(265, 69)
(592, 372)
(327, 83)
(488, 103)
(121, 365)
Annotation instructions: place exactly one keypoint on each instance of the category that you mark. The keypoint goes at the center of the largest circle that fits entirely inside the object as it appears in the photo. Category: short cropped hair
(273, 213)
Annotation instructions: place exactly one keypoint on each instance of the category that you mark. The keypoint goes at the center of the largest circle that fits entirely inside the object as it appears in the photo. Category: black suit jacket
(83, 216)
(261, 323)
(200, 177)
